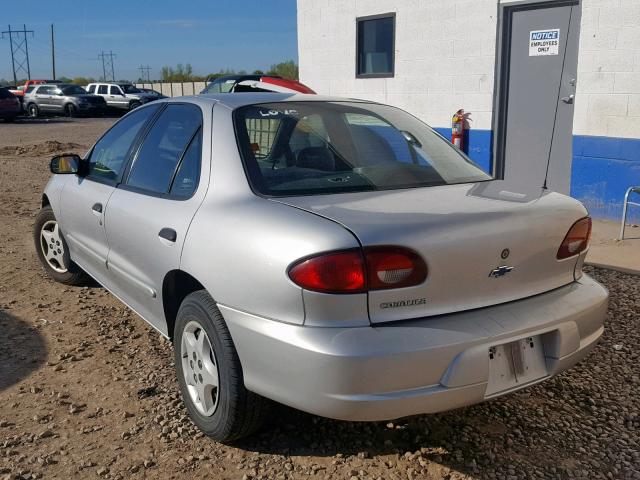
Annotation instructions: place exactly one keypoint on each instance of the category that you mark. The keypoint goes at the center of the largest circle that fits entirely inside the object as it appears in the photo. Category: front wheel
(210, 374)
(33, 110)
(53, 252)
(70, 110)
(134, 105)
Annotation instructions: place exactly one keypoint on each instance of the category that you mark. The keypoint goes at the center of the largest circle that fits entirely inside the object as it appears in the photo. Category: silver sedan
(334, 255)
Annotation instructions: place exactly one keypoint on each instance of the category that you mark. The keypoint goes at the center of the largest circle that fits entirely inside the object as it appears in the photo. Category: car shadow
(22, 349)
(481, 440)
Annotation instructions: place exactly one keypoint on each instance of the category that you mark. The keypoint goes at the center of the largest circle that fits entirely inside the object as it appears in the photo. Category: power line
(144, 69)
(107, 64)
(19, 51)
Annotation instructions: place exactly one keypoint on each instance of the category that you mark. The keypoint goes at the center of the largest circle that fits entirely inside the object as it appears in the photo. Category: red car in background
(22, 89)
(255, 83)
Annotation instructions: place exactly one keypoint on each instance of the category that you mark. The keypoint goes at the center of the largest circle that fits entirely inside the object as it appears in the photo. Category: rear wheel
(33, 110)
(53, 252)
(70, 110)
(210, 374)
(133, 105)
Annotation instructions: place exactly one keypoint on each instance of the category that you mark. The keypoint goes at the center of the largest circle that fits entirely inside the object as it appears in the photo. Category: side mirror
(66, 164)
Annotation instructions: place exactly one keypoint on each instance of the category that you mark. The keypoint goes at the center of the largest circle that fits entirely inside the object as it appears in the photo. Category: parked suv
(123, 96)
(64, 98)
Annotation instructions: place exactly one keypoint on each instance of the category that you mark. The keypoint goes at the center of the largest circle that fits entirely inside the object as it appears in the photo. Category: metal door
(538, 81)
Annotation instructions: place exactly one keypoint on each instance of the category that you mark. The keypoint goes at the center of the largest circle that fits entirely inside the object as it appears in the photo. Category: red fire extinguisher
(457, 129)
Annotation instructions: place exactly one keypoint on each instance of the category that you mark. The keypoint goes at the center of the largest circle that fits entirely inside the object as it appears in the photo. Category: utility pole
(107, 64)
(144, 69)
(19, 51)
(53, 54)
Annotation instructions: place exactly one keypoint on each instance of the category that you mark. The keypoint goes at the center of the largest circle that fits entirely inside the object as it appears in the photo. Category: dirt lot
(87, 390)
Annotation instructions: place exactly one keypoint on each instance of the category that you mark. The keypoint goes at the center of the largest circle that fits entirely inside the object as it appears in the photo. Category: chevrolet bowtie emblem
(500, 271)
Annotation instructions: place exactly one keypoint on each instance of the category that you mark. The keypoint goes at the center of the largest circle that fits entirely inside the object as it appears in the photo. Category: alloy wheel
(52, 246)
(200, 368)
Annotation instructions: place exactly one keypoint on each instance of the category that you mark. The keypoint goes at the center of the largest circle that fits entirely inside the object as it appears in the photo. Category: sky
(210, 35)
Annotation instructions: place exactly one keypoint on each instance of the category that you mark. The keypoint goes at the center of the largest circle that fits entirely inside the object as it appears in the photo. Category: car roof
(236, 100)
(240, 77)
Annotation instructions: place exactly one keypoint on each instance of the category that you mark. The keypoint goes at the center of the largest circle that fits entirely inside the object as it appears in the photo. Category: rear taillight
(576, 240)
(336, 272)
(351, 271)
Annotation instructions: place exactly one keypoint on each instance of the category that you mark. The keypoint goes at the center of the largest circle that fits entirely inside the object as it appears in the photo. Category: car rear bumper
(425, 365)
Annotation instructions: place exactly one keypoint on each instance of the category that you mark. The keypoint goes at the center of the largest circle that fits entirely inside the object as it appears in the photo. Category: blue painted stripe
(479, 146)
(602, 169)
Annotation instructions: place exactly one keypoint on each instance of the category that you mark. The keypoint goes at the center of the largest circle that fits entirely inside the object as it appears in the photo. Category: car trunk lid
(483, 243)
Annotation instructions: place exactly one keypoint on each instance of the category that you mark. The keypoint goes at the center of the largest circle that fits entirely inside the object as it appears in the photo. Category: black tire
(239, 412)
(70, 110)
(10, 119)
(33, 110)
(73, 275)
(133, 105)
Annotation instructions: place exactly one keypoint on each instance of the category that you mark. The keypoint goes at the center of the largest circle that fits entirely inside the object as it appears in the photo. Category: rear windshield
(129, 89)
(312, 148)
(4, 93)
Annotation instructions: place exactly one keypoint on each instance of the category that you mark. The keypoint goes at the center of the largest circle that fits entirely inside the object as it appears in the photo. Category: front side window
(102, 89)
(91, 89)
(109, 155)
(375, 46)
(334, 147)
(164, 148)
(74, 90)
(114, 90)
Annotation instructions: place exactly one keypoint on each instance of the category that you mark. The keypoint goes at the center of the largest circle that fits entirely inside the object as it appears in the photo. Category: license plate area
(515, 364)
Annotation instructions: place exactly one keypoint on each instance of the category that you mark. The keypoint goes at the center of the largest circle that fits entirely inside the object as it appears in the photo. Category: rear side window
(109, 155)
(102, 89)
(165, 149)
(186, 179)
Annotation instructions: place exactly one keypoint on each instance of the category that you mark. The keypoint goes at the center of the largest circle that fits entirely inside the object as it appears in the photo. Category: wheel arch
(177, 284)
(45, 201)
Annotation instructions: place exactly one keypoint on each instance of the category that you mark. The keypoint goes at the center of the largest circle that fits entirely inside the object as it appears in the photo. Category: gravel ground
(87, 390)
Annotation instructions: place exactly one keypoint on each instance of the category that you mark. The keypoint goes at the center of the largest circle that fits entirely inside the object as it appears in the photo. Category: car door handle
(168, 234)
(97, 208)
(568, 99)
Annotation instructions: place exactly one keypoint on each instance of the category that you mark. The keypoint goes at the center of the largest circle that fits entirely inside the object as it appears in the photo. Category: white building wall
(608, 89)
(445, 59)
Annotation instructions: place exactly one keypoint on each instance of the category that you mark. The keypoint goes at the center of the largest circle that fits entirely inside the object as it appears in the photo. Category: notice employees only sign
(544, 42)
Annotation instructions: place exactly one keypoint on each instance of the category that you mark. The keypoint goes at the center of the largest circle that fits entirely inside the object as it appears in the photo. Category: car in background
(255, 83)
(338, 256)
(63, 99)
(10, 106)
(121, 95)
(154, 93)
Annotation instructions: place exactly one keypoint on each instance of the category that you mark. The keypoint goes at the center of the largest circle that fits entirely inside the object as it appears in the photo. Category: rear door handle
(168, 234)
(97, 207)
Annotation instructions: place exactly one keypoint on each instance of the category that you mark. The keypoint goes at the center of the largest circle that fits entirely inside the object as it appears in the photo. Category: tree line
(184, 73)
